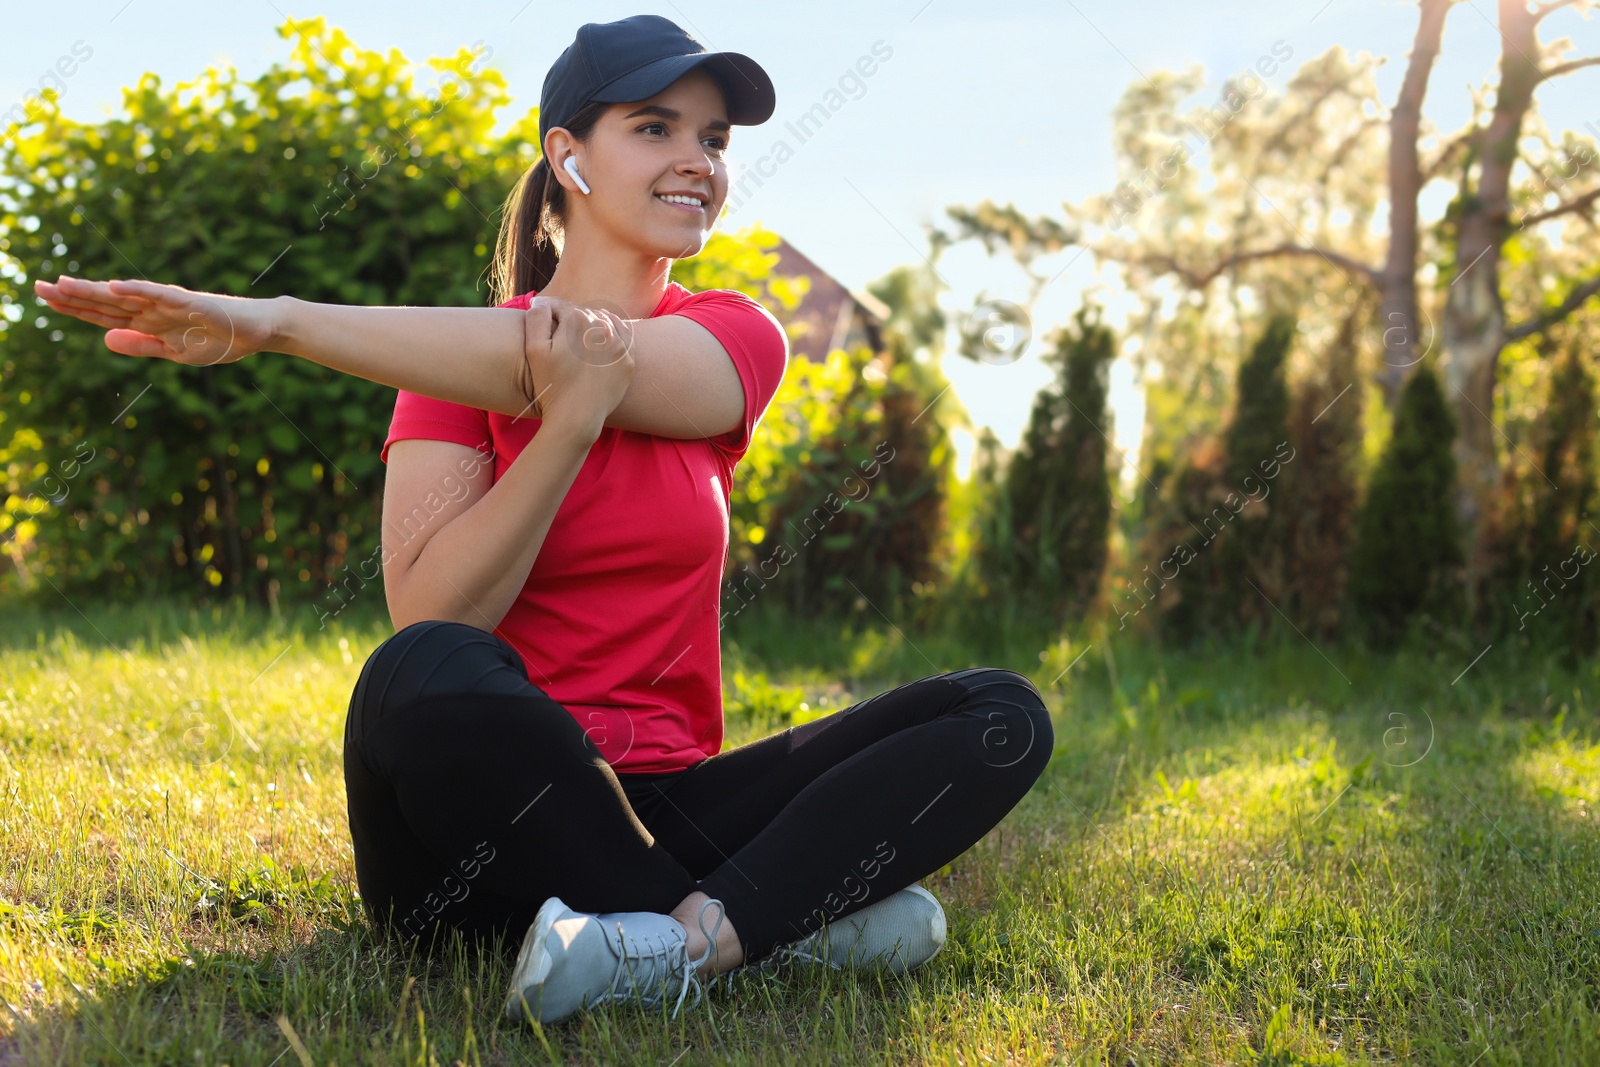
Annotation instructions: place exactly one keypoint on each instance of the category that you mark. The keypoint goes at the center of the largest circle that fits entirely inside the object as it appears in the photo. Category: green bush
(1216, 551)
(839, 499)
(348, 182)
(1546, 589)
(1320, 485)
(1406, 564)
(1253, 551)
(1044, 523)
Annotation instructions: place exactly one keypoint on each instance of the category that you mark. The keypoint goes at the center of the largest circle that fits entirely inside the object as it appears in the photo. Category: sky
(1007, 101)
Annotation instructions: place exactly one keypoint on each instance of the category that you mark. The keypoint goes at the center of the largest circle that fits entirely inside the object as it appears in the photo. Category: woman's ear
(559, 144)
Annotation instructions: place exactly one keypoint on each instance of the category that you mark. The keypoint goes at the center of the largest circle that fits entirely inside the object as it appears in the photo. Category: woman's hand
(580, 360)
(169, 321)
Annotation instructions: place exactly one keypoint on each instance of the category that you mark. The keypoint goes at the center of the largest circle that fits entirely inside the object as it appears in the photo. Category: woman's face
(674, 142)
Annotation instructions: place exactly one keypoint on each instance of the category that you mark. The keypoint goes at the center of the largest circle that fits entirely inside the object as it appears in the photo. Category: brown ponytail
(532, 222)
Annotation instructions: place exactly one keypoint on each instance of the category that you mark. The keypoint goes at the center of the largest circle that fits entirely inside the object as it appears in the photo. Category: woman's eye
(718, 143)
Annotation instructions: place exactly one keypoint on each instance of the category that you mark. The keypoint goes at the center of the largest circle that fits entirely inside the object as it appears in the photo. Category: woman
(536, 750)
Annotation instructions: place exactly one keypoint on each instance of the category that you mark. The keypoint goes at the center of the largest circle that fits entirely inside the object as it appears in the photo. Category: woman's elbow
(408, 605)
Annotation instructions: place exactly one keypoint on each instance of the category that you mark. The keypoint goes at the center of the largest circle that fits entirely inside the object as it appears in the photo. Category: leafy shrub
(1216, 545)
(1547, 540)
(344, 183)
(1407, 557)
(839, 499)
(1044, 522)
(1320, 487)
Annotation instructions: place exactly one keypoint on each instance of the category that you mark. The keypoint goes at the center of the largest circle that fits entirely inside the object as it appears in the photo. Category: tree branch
(1545, 320)
(1300, 120)
(1568, 67)
(1555, 5)
(1200, 279)
(1336, 159)
(1579, 203)
(1447, 153)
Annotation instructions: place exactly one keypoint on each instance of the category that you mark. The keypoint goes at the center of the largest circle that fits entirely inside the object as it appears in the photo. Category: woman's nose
(698, 161)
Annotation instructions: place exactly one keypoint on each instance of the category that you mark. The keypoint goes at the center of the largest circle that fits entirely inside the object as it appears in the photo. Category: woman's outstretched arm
(471, 356)
(495, 359)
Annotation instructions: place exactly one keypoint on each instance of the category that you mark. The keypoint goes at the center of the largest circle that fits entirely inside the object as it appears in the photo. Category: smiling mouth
(680, 204)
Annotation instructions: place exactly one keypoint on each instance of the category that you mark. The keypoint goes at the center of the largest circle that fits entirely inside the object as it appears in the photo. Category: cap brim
(750, 96)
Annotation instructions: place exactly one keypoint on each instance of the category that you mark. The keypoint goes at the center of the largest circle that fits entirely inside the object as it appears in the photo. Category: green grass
(1236, 856)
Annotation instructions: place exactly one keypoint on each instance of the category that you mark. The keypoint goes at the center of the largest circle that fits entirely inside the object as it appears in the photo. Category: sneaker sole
(533, 961)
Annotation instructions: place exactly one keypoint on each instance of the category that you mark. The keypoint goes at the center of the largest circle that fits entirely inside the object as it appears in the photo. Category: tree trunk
(1475, 322)
(1474, 334)
(1404, 342)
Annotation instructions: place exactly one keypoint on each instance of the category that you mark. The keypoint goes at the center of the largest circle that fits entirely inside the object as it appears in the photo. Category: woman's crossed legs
(474, 797)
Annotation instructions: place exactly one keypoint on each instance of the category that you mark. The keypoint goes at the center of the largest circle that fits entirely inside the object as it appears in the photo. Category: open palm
(166, 321)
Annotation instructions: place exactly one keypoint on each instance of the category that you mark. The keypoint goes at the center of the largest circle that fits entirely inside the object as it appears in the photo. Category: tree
(1048, 514)
(1058, 485)
(1408, 551)
(1219, 553)
(1551, 535)
(1476, 329)
(1306, 155)
(1256, 552)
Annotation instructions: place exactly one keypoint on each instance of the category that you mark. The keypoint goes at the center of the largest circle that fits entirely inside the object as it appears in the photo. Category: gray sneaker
(572, 960)
(902, 931)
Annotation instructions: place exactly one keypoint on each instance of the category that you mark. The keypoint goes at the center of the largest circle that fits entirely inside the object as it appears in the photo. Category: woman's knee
(435, 656)
(1012, 726)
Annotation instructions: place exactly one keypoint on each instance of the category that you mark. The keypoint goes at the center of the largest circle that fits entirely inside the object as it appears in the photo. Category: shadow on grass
(1241, 856)
(1277, 845)
(342, 996)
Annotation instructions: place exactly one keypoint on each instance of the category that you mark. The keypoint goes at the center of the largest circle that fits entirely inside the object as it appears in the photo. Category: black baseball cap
(637, 57)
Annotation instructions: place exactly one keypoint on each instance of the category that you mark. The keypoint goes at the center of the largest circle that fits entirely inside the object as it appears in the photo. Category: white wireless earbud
(572, 168)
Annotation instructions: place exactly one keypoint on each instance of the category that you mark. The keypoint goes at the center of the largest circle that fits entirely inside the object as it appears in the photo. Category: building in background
(830, 316)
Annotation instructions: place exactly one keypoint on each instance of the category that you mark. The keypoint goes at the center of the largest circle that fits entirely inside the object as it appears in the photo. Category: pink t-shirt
(619, 618)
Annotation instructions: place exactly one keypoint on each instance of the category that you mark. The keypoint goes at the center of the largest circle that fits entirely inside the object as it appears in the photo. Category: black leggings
(474, 796)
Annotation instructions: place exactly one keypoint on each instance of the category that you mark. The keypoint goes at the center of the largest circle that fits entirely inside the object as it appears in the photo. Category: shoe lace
(668, 960)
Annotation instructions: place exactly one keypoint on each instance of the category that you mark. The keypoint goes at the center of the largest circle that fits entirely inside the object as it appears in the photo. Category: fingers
(539, 321)
(607, 338)
(537, 331)
(101, 294)
(84, 306)
(148, 290)
(92, 315)
(583, 333)
(619, 326)
(551, 302)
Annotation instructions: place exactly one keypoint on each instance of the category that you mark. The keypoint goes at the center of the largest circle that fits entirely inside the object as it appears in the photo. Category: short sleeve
(418, 416)
(756, 342)
(436, 420)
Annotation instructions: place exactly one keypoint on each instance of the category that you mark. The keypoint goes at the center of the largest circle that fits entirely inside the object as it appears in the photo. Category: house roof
(830, 315)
